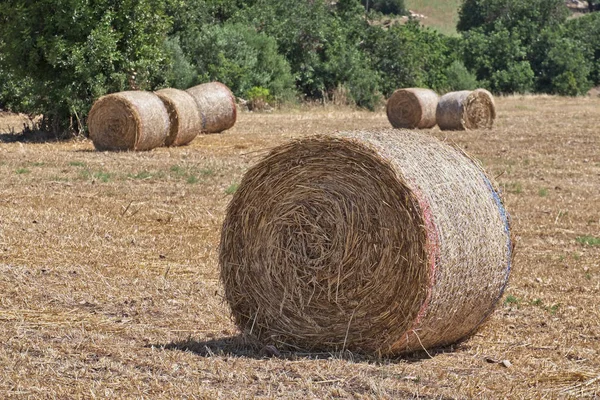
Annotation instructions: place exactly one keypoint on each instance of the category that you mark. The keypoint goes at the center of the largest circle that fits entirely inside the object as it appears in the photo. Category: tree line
(58, 56)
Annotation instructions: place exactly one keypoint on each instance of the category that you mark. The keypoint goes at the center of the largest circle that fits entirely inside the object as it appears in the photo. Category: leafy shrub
(241, 58)
(458, 77)
(181, 74)
(258, 98)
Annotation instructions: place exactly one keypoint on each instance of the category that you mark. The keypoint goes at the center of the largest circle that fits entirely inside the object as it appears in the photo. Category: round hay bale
(377, 242)
(466, 110)
(185, 118)
(132, 120)
(216, 104)
(412, 108)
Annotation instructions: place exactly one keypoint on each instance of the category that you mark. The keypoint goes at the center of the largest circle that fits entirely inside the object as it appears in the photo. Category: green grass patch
(543, 192)
(191, 179)
(511, 300)
(77, 164)
(232, 188)
(178, 170)
(514, 187)
(588, 240)
(21, 171)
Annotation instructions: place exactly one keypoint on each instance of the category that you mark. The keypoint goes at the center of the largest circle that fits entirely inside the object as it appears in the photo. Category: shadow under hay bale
(217, 106)
(466, 110)
(412, 108)
(132, 120)
(376, 242)
(185, 119)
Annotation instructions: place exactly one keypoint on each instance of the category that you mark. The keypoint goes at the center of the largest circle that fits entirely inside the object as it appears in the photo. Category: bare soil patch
(109, 275)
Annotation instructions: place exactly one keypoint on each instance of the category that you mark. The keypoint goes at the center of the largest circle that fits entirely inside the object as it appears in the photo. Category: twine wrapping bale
(185, 120)
(216, 104)
(378, 242)
(466, 110)
(132, 120)
(412, 108)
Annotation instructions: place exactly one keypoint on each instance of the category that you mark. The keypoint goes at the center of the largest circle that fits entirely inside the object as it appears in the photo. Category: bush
(242, 59)
(458, 77)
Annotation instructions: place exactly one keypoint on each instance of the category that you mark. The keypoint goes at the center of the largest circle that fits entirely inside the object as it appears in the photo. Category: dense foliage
(58, 56)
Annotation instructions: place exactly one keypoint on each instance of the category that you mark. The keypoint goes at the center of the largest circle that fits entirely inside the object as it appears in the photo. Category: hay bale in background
(185, 118)
(132, 120)
(466, 110)
(412, 108)
(382, 242)
(216, 104)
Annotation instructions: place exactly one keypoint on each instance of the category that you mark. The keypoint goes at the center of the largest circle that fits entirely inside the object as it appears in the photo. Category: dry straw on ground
(133, 120)
(186, 121)
(466, 110)
(412, 108)
(217, 106)
(380, 242)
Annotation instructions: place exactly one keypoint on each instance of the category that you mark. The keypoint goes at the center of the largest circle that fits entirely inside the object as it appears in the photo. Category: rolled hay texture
(185, 119)
(412, 108)
(466, 110)
(132, 120)
(376, 242)
(216, 105)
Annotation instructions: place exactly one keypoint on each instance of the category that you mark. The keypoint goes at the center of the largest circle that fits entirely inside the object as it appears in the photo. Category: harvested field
(109, 274)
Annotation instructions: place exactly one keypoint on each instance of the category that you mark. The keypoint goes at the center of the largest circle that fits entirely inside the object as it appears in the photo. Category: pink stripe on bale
(433, 250)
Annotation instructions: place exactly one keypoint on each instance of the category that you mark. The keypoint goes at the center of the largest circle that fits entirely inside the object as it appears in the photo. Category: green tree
(386, 7)
(409, 55)
(321, 43)
(562, 64)
(73, 51)
(499, 60)
(586, 31)
(525, 19)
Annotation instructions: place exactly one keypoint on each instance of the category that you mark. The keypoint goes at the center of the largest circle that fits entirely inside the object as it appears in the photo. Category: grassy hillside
(441, 15)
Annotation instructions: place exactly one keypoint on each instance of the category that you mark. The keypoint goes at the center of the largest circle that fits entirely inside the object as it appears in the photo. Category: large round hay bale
(185, 118)
(383, 242)
(412, 108)
(132, 120)
(466, 110)
(216, 104)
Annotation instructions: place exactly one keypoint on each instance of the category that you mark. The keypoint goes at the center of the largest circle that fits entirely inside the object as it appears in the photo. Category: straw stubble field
(109, 278)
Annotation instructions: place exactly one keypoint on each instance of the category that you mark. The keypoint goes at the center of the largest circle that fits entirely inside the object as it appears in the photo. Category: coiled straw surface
(132, 120)
(466, 110)
(412, 108)
(380, 242)
(217, 106)
(185, 120)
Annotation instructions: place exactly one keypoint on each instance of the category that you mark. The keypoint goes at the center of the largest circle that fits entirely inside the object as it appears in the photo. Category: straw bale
(466, 110)
(132, 120)
(378, 242)
(412, 108)
(216, 104)
(185, 120)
